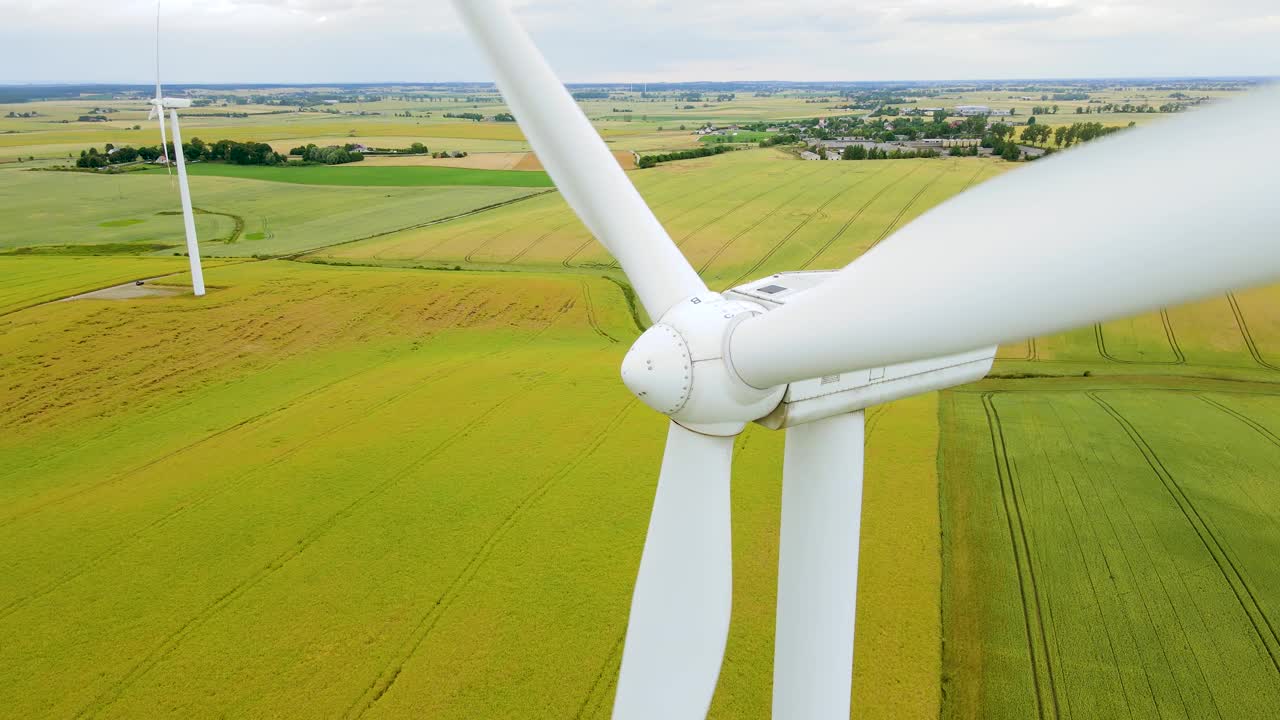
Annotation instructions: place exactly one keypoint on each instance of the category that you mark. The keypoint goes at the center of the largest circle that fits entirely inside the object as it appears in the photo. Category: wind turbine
(159, 104)
(1142, 228)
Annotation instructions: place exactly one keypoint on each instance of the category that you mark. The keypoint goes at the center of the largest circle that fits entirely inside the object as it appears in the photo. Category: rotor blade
(1154, 217)
(680, 608)
(818, 569)
(159, 101)
(578, 160)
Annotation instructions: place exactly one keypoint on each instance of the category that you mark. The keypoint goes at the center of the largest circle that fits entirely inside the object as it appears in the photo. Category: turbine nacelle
(680, 367)
(160, 104)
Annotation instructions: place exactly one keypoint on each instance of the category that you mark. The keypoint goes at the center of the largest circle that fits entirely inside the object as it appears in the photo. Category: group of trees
(239, 153)
(333, 155)
(648, 161)
(477, 117)
(504, 117)
(862, 152)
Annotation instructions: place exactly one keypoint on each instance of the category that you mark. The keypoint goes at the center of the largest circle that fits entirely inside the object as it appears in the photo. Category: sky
(318, 41)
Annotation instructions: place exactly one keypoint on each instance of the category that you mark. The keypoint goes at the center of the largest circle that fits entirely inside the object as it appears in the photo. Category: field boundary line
(1212, 544)
(436, 221)
(113, 693)
(1246, 334)
(387, 677)
(1033, 620)
(809, 218)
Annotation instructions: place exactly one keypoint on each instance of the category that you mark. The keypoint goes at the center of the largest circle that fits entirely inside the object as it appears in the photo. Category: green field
(30, 281)
(354, 175)
(81, 209)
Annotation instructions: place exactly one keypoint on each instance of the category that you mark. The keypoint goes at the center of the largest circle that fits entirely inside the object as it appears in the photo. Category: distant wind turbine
(159, 105)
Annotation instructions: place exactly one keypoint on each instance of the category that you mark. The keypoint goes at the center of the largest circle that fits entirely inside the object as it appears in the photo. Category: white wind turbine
(809, 351)
(158, 106)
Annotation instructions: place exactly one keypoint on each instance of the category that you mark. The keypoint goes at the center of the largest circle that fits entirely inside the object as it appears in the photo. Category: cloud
(638, 40)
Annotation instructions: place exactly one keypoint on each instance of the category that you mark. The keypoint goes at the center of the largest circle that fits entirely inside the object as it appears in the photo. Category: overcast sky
(241, 41)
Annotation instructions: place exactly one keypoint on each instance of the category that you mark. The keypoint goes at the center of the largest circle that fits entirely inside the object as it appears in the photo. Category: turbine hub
(680, 367)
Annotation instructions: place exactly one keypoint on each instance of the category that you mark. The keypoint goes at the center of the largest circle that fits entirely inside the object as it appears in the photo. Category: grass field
(62, 208)
(29, 281)
(355, 175)
(286, 465)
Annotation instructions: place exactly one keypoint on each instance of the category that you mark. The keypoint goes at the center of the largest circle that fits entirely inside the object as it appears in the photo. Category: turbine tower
(159, 104)
(808, 351)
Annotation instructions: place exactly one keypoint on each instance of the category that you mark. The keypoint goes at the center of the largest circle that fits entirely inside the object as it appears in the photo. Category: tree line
(648, 161)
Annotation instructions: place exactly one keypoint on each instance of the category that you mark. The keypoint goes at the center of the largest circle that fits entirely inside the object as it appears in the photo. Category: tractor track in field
(1164, 652)
(388, 676)
(591, 314)
(1172, 336)
(729, 188)
(849, 223)
(1248, 336)
(1100, 340)
(1093, 531)
(188, 504)
(598, 692)
(175, 639)
(1235, 579)
(744, 203)
(150, 463)
(1034, 626)
(1254, 424)
(727, 243)
(568, 261)
(893, 224)
(778, 245)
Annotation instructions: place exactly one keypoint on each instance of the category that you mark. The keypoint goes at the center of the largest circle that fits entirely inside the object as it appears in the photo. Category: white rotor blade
(578, 160)
(158, 106)
(1153, 217)
(680, 608)
(818, 569)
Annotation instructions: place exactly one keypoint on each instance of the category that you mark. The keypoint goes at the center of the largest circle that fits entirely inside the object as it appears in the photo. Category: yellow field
(288, 464)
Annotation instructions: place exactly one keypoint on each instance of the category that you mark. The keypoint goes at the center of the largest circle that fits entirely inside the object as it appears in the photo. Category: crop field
(1110, 551)
(736, 216)
(241, 217)
(288, 465)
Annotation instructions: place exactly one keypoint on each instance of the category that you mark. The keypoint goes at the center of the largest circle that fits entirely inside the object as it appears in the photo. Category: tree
(1059, 135)
(854, 152)
(1012, 152)
(939, 116)
(1031, 120)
